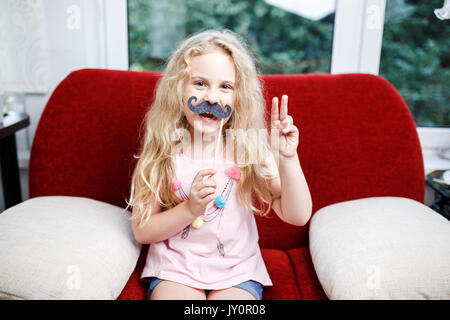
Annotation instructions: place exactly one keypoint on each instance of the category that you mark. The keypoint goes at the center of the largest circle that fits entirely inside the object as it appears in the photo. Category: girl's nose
(212, 96)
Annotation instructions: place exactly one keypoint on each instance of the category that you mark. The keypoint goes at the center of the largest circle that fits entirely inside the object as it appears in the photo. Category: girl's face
(212, 79)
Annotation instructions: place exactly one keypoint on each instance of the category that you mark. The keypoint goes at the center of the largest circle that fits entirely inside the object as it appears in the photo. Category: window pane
(415, 58)
(282, 42)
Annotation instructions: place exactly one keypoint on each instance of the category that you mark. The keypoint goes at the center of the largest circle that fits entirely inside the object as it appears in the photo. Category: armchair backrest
(357, 139)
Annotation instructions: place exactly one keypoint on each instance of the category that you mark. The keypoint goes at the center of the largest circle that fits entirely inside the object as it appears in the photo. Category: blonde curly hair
(152, 179)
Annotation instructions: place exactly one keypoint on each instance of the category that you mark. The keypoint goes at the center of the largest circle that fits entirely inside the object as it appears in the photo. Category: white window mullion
(115, 34)
(358, 34)
(347, 36)
(372, 36)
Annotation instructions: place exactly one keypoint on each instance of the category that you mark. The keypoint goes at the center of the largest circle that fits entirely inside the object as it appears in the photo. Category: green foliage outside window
(415, 57)
(415, 54)
(281, 42)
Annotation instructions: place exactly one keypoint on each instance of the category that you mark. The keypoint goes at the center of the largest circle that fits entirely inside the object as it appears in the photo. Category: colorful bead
(176, 184)
(198, 223)
(220, 201)
(233, 173)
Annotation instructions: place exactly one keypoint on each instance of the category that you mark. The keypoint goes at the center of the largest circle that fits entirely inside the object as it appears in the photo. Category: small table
(441, 203)
(12, 122)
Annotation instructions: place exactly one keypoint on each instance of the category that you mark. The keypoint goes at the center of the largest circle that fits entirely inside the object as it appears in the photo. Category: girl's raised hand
(282, 126)
(202, 191)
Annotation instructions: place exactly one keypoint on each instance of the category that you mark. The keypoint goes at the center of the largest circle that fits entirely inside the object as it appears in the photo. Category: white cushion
(65, 248)
(381, 248)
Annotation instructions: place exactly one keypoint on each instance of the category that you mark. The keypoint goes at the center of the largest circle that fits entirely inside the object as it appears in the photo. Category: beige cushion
(381, 248)
(65, 248)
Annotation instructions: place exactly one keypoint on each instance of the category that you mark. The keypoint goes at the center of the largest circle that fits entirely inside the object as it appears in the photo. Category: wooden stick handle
(198, 222)
(218, 144)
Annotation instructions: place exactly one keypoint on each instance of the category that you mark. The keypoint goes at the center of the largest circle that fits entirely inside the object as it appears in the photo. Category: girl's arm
(162, 224)
(295, 204)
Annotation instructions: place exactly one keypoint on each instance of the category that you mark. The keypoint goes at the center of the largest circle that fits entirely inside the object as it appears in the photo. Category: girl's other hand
(283, 125)
(202, 192)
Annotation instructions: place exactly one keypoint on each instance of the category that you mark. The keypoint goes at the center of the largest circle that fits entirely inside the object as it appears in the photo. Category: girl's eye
(226, 86)
(200, 83)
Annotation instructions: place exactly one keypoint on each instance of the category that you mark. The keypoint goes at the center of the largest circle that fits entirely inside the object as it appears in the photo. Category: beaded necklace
(216, 210)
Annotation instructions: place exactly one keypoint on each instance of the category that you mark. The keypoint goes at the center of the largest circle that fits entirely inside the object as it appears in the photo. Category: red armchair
(357, 137)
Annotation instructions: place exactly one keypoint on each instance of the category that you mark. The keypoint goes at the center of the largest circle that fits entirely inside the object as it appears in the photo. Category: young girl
(172, 185)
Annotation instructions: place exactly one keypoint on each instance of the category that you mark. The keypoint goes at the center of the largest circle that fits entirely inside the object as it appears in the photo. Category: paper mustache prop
(205, 106)
(218, 112)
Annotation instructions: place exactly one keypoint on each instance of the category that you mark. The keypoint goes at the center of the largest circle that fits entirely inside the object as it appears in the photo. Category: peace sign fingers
(279, 118)
(284, 133)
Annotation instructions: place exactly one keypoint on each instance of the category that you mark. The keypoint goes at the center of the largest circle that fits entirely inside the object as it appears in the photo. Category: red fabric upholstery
(357, 139)
(135, 289)
(282, 274)
(307, 281)
(88, 133)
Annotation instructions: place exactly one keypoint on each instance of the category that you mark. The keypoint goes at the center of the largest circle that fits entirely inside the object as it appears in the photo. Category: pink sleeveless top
(224, 251)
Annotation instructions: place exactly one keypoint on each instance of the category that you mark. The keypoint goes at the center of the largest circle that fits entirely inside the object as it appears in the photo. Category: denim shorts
(253, 287)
